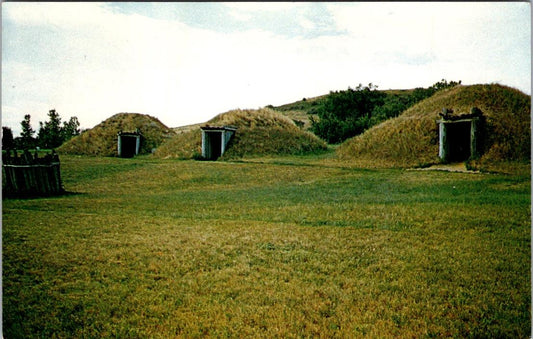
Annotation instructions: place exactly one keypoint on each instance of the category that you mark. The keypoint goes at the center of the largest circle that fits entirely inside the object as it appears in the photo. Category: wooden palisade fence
(27, 175)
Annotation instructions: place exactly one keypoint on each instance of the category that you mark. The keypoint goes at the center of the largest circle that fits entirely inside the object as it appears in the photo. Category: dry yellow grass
(267, 250)
(102, 139)
(411, 139)
(259, 132)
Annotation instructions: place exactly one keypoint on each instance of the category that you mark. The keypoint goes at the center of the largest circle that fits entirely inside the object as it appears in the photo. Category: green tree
(26, 135)
(395, 104)
(345, 114)
(7, 138)
(70, 129)
(443, 84)
(52, 133)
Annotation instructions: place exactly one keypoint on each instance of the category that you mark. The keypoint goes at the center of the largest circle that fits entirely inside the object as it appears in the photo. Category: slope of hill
(393, 103)
(301, 110)
(259, 132)
(411, 139)
(101, 140)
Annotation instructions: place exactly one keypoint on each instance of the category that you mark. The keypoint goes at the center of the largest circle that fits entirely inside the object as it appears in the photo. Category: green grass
(269, 247)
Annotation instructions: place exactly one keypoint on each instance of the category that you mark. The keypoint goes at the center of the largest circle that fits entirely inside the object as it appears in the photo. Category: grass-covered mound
(259, 132)
(101, 140)
(411, 139)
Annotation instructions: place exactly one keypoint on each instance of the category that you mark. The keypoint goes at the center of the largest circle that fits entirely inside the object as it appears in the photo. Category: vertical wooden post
(474, 149)
(443, 142)
(34, 173)
(26, 178)
(13, 176)
(57, 177)
(222, 142)
(205, 146)
(137, 144)
(119, 144)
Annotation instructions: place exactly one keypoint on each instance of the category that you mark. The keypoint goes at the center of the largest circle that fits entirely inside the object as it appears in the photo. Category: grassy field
(275, 247)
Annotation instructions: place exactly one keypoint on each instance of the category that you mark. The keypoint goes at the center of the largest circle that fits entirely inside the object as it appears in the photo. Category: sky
(184, 63)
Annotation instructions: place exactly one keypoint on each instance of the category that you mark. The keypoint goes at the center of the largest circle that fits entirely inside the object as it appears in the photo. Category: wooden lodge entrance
(215, 140)
(459, 136)
(128, 144)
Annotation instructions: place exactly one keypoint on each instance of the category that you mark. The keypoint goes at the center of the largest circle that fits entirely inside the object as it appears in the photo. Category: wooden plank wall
(27, 175)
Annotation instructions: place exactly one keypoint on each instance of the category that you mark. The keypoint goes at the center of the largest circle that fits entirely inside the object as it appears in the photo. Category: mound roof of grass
(259, 132)
(411, 139)
(101, 140)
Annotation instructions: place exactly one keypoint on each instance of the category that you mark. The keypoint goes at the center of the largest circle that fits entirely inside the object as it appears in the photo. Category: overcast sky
(185, 63)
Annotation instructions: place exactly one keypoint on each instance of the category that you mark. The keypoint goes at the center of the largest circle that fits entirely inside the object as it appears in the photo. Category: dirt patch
(453, 167)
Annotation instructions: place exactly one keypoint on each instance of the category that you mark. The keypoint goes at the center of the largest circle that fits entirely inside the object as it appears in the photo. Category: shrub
(345, 114)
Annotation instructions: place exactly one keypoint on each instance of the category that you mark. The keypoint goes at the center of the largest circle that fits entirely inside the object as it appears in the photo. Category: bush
(345, 114)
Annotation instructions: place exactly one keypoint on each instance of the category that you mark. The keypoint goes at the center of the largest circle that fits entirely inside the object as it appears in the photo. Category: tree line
(345, 114)
(51, 134)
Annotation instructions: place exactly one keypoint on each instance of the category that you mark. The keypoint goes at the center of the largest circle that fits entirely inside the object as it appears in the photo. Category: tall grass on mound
(411, 139)
(102, 139)
(184, 145)
(259, 132)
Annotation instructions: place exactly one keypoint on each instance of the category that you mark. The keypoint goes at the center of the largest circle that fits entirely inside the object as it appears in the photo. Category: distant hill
(411, 139)
(259, 132)
(186, 128)
(101, 140)
(300, 111)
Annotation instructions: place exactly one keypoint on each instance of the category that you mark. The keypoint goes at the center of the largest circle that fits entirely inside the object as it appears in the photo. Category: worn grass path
(289, 247)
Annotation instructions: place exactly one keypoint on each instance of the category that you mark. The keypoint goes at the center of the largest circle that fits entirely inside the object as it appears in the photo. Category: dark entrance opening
(460, 136)
(129, 146)
(215, 145)
(459, 141)
(215, 140)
